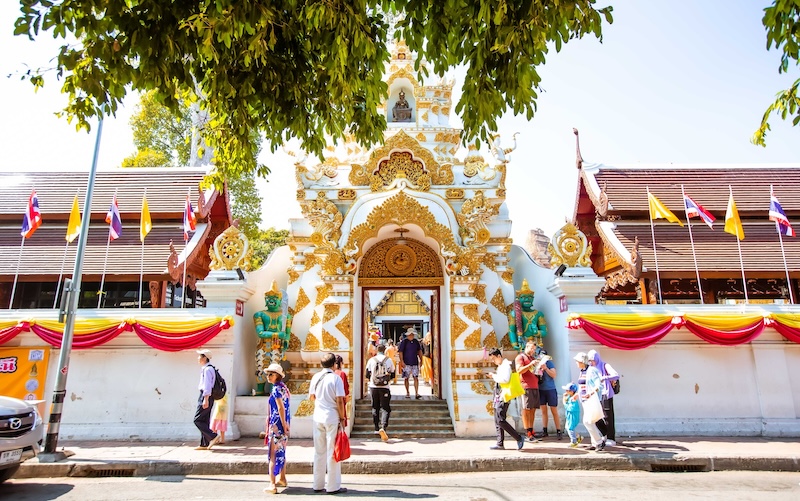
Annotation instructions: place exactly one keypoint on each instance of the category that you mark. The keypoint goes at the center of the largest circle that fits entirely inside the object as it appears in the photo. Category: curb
(531, 462)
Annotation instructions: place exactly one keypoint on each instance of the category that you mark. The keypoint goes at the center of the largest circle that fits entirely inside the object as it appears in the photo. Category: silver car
(21, 433)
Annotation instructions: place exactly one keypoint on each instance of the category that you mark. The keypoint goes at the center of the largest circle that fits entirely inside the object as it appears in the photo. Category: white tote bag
(592, 409)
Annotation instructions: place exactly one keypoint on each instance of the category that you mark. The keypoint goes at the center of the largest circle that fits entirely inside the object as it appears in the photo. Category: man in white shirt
(379, 390)
(202, 416)
(503, 376)
(326, 390)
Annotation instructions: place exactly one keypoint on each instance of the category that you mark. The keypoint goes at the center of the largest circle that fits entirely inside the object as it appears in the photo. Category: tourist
(608, 375)
(572, 413)
(589, 385)
(337, 368)
(219, 417)
(278, 418)
(548, 396)
(202, 416)
(525, 363)
(427, 365)
(380, 370)
(410, 351)
(391, 353)
(502, 376)
(327, 392)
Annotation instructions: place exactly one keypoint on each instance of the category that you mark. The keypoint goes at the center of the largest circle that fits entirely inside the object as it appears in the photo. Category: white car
(21, 431)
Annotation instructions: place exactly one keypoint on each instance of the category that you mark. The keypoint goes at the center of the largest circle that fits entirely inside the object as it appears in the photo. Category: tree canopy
(299, 68)
(782, 22)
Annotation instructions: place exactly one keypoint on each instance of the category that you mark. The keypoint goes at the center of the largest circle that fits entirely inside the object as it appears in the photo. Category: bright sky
(674, 81)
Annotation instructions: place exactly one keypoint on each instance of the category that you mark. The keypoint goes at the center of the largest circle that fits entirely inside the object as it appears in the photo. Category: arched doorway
(400, 281)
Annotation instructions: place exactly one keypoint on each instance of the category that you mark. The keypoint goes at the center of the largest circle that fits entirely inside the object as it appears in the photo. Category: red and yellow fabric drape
(634, 331)
(165, 335)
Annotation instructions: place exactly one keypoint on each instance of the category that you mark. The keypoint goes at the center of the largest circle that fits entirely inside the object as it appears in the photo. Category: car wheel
(8, 473)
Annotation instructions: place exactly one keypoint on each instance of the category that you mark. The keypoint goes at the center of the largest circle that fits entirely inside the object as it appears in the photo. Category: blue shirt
(409, 350)
(547, 382)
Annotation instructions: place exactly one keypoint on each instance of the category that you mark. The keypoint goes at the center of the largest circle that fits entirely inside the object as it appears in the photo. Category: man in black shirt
(410, 360)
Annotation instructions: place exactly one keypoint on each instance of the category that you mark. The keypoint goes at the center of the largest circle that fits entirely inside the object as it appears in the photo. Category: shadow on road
(33, 492)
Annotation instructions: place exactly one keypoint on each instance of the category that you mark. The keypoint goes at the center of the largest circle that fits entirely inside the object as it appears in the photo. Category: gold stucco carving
(500, 193)
(314, 319)
(301, 194)
(480, 388)
(480, 293)
(498, 302)
(302, 300)
(404, 72)
(486, 318)
(312, 343)
(454, 193)
(294, 343)
(571, 248)
(490, 407)
(323, 291)
(505, 343)
(400, 165)
(458, 327)
(400, 259)
(471, 312)
(310, 262)
(325, 219)
(508, 275)
(345, 326)
(293, 275)
(347, 194)
(473, 341)
(389, 259)
(473, 218)
(490, 341)
(299, 387)
(421, 137)
(306, 408)
(230, 250)
(331, 312)
(360, 175)
(329, 341)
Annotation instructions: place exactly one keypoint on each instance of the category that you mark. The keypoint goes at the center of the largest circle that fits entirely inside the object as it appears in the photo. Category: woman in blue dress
(278, 416)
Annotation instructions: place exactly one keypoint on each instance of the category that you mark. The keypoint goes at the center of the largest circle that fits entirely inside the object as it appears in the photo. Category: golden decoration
(360, 174)
(421, 137)
(571, 248)
(404, 72)
(230, 250)
(480, 388)
(345, 326)
(392, 281)
(424, 118)
(400, 165)
(347, 194)
(508, 275)
(302, 300)
(329, 341)
(525, 290)
(474, 164)
(458, 327)
(331, 312)
(403, 209)
(505, 343)
(400, 259)
(312, 343)
(325, 219)
(500, 193)
(301, 194)
(293, 275)
(490, 407)
(299, 387)
(454, 193)
(311, 261)
(471, 312)
(498, 302)
(306, 408)
(323, 291)
(486, 318)
(473, 218)
(294, 343)
(480, 293)
(314, 319)
(291, 311)
(490, 341)
(274, 291)
(473, 341)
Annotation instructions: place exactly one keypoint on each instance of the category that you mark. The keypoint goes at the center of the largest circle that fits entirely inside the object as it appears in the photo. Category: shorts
(548, 398)
(530, 399)
(410, 371)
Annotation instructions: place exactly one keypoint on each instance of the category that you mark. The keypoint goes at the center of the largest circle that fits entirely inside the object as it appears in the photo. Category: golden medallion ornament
(473, 218)
(570, 247)
(231, 250)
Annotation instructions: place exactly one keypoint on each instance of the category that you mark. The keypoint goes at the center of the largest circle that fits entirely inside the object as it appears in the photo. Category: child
(572, 411)
(219, 418)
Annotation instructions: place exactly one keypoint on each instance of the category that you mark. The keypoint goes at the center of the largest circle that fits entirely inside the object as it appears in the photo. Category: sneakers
(496, 447)
(611, 443)
(574, 445)
(418, 396)
(559, 434)
(531, 437)
(601, 445)
(580, 439)
(520, 443)
(383, 435)
(544, 433)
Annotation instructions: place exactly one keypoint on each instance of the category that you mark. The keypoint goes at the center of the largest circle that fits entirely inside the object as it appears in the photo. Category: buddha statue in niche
(402, 110)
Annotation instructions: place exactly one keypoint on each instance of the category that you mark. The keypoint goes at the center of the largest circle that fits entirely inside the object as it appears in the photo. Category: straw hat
(276, 368)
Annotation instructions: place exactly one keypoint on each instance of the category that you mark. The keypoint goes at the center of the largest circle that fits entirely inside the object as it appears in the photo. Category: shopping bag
(592, 409)
(512, 389)
(341, 449)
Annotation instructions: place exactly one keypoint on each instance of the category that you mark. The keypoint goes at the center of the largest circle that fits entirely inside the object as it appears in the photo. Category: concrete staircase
(428, 417)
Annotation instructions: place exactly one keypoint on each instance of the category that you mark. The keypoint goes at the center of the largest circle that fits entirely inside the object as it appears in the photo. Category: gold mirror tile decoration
(473, 341)
(294, 343)
(306, 408)
(480, 388)
(323, 291)
(571, 248)
(498, 302)
(490, 341)
(331, 312)
(471, 312)
(329, 341)
(312, 343)
(302, 300)
(345, 326)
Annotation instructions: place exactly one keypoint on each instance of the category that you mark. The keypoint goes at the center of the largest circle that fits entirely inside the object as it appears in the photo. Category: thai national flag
(32, 218)
(694, 209)
(189, 219)
(776, 214)
(114, 221)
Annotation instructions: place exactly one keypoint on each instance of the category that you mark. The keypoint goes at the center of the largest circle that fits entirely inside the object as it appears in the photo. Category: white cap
(205, 352)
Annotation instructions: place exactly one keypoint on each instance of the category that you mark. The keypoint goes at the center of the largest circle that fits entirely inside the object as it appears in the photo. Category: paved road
(489, 486)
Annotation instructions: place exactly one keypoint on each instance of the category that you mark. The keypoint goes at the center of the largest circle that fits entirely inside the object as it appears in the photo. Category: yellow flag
(74, 224)
(146, 224)
(733, 224)
(660, 211)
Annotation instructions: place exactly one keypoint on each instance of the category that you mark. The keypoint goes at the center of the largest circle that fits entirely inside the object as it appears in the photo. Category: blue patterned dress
(275, 433)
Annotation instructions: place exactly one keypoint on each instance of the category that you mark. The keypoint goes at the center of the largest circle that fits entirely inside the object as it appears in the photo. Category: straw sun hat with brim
(276, 368)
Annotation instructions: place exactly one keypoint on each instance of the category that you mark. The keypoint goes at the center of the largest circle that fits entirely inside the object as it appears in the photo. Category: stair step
(393, 434)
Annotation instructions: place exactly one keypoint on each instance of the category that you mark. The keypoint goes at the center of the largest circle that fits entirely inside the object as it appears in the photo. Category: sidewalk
(247, 456)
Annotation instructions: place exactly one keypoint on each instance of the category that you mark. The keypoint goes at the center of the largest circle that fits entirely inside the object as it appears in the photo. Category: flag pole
(185, 251)
(655, 254)
(783, 253)
(141, 269)
(741, 260)
(16, 274)
(691, 240)
(105, 261)
(60, 274)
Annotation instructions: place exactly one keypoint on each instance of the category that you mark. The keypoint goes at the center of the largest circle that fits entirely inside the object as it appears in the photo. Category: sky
(673, 82)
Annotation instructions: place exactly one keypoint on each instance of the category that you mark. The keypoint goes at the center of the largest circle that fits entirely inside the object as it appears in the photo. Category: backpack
(381, 375)
(219, 389)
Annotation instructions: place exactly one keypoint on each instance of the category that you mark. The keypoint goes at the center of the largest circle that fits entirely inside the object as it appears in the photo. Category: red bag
(341, 449)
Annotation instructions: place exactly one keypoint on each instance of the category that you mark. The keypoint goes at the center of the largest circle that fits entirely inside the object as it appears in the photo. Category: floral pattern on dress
(276, 435)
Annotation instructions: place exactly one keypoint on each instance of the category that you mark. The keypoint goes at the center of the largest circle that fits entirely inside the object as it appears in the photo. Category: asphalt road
(489, 486)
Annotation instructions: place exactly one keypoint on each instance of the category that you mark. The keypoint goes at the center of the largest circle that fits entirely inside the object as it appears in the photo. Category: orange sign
(23, 372)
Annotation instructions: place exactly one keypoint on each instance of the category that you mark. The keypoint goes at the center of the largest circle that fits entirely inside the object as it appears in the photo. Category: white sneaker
(612, 443)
